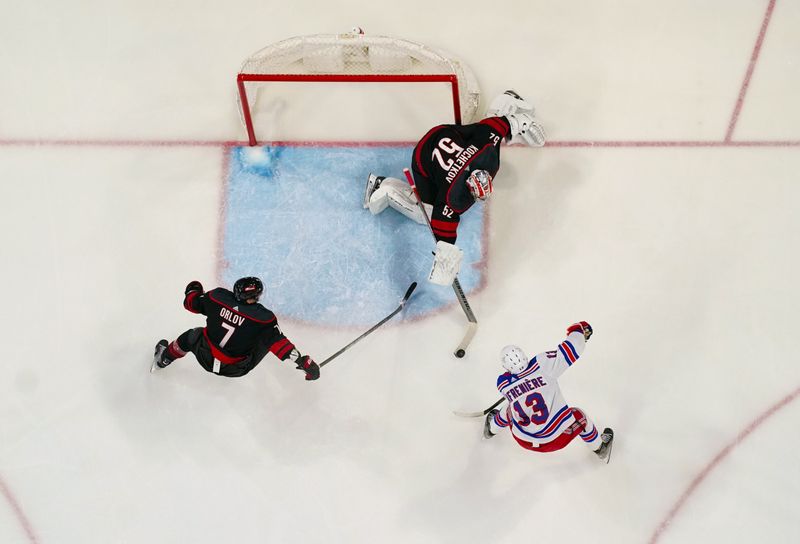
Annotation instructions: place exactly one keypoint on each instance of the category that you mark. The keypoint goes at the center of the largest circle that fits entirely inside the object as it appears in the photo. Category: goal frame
(243, 78)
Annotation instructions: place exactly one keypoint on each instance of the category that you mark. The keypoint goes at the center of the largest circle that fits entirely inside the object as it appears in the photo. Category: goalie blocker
(446, 263)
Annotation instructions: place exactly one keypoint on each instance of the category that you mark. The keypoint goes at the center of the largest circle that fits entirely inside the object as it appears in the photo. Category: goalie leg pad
(399, 196)
(378, 201)
(446, 263)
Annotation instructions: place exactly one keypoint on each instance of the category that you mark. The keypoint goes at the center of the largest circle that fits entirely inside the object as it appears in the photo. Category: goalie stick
(472, 322)
(381, 322)
(479, 414)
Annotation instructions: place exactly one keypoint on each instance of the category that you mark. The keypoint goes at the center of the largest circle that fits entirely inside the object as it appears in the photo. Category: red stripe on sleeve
(498, 124)
(282, 348)
(444, 226)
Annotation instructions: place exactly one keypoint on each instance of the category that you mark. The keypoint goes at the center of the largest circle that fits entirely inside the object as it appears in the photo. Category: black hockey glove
(193, 286)
(307, 365)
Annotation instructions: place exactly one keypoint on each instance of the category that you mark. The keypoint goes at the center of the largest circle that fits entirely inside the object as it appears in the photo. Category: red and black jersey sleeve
(444, 223)
(498, 124)
(194, 301)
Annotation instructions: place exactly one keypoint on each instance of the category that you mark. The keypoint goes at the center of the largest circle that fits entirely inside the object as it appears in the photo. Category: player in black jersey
(453, 167)
(238, 333)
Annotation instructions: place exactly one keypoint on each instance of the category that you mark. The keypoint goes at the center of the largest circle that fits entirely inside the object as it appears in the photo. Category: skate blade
(157, 354)
(610, 447)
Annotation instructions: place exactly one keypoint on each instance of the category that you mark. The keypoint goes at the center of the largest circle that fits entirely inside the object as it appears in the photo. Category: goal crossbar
(242, 78)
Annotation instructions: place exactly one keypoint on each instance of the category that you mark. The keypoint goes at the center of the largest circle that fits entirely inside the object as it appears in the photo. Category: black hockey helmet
(246, 288)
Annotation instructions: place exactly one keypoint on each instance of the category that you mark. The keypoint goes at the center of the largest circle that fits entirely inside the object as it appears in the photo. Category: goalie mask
(480, 184)
(514, 359)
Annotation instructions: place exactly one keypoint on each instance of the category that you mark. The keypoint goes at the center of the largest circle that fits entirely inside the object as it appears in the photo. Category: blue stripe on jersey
(555, 423)
(572, 350)
(500, 420)
(567, 355)
(559, 419)
(503, 380)
(533, 366)
(506, 379)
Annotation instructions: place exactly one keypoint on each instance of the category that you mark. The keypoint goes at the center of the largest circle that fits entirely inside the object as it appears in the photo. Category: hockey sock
(174, 351)
(589, 432)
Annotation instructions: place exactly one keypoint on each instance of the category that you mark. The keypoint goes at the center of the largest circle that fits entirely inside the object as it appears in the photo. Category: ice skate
(487, 424)
(373, 182)
(607, 437)
(159, 361)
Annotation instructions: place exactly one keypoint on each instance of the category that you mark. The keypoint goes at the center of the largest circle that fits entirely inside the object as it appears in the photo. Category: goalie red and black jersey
(443, 160)
(235, 330)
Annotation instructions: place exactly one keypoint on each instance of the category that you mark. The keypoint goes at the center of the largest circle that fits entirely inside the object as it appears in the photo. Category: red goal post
(355, 57)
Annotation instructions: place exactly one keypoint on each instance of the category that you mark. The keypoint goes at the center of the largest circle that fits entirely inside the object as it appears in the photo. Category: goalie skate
(158, 355)
(373, 182)
(604, 453)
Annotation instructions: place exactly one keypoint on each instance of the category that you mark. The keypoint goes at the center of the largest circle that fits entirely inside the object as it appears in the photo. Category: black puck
(460, 353)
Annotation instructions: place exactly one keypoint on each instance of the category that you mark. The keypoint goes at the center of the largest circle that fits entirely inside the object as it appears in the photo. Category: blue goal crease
(294, 217)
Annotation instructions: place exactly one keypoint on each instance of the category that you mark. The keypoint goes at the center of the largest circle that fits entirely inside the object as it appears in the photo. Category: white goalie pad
(446, 263)
(399, 196)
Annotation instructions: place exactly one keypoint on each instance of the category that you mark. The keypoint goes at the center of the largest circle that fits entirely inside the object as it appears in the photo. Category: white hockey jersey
(536, 410)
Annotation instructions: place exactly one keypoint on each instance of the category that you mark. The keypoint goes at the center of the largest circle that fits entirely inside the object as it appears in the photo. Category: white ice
(684, 258)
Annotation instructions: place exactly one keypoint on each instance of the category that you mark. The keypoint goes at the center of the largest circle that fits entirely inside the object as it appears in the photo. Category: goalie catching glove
(446, 263)
(525, 129)
(520, 114)
(508, 103)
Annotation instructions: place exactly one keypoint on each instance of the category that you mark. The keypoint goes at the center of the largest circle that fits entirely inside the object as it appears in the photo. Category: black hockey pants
(193, 340)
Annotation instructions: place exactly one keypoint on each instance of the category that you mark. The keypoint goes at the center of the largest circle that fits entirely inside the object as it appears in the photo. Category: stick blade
(409, 291)
(472, 328)
(468, 414)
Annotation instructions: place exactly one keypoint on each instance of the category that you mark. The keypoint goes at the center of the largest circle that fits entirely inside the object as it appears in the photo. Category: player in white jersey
(539, 417)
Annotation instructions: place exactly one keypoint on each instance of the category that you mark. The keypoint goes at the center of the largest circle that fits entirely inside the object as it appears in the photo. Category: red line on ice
(226, 144)
(695, 483)
(750, 68)
(18, 513)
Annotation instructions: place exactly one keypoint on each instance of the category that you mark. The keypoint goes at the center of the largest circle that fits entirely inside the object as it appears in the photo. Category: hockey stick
(479, 414)
(381, 322)
(472, 325)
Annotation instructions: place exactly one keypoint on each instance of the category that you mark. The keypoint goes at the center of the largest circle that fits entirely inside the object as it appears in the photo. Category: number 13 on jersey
(534, 410)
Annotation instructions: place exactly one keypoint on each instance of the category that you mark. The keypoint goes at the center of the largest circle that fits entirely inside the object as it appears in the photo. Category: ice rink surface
(664, 211)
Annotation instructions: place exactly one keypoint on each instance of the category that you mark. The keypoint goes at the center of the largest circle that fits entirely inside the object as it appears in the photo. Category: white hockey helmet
(479, 183)
(514, 359)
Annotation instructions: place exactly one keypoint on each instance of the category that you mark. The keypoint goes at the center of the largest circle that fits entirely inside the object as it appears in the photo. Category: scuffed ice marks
(294, 217)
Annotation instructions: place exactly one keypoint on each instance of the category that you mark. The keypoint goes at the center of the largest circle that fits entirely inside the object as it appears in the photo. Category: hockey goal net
(351, 58)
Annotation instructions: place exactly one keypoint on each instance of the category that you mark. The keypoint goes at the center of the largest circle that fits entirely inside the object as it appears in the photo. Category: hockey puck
(460, 353)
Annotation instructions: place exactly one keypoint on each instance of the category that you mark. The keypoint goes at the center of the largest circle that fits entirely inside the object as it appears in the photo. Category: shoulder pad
(256, 312)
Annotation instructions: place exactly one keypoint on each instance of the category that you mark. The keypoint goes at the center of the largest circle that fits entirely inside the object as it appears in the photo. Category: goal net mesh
(355, 57)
